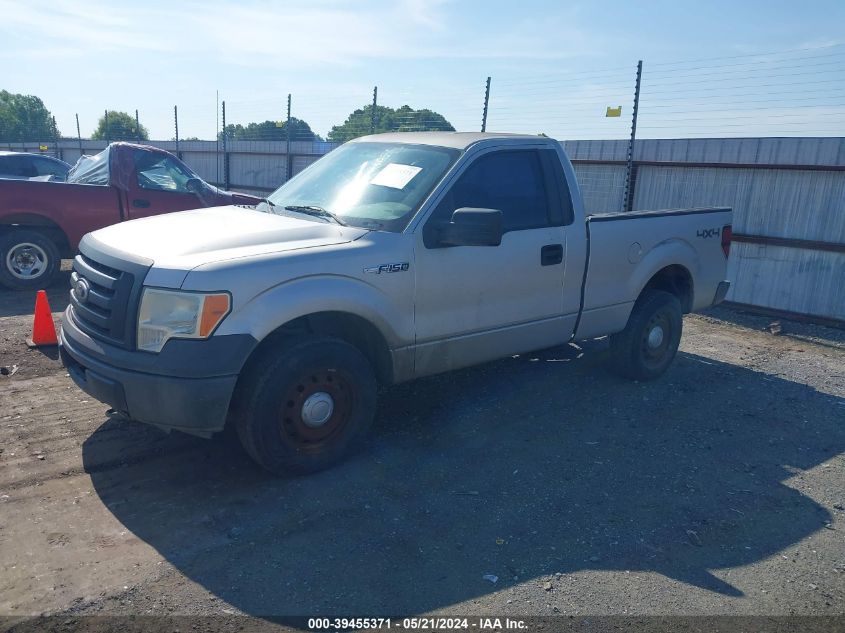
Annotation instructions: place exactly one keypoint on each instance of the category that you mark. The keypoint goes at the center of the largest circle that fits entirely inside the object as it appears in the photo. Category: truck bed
(625, 250)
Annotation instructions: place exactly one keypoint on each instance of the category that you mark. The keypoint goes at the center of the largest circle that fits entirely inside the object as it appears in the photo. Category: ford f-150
(393, 257)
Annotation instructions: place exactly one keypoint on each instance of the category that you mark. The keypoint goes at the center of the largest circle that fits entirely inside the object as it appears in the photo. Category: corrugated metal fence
(788, 196)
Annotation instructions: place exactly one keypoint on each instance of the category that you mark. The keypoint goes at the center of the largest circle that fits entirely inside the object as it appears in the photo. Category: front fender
(300, 297)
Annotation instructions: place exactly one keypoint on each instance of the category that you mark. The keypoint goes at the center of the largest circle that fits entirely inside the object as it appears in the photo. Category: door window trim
(555, 213)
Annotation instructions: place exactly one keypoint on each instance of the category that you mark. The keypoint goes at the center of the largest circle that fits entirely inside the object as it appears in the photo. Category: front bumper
(187, 387)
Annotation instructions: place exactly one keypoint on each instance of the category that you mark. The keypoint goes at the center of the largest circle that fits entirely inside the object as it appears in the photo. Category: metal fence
(788, 196)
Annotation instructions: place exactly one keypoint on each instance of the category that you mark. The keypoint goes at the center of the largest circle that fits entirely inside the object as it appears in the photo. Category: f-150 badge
(388, 268)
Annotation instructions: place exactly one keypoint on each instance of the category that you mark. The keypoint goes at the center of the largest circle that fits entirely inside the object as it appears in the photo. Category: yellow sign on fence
(43, 148)
(617, 111)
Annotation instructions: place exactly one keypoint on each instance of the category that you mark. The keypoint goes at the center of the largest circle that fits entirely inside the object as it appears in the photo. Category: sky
(738, 68)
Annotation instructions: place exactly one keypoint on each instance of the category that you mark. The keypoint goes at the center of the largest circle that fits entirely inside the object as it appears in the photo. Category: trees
(25, 118)
(404, 119)
(271, 131)
(119, 126)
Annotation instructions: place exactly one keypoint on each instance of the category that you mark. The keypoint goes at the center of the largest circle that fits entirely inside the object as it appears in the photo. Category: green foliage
(271, 131)
(24, 118)
(404, 119)
(120, 127)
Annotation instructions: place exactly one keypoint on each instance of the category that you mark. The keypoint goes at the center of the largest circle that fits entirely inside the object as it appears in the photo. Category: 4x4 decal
(705, 233)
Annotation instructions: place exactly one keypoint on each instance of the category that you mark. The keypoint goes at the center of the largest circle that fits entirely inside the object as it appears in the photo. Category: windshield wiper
(319, 212)
(268, 202)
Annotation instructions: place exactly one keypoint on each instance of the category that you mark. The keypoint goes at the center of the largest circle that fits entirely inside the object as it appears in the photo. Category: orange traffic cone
(43, 330)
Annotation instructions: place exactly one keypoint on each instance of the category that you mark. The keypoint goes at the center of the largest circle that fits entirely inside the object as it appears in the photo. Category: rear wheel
(648, 344)
(28, 260)
(305, 406)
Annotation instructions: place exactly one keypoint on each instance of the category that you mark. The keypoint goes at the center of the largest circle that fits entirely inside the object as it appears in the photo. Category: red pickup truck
(42, 222)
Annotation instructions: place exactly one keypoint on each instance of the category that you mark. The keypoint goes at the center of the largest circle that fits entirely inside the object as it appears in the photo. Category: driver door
(159, 186)
(476, 303)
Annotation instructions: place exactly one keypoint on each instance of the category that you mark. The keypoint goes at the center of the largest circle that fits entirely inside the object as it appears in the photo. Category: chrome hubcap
(317, 409)
(26, 261)
(655, 337)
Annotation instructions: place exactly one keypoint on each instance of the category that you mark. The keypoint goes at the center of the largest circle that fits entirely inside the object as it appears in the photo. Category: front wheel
(306, 405)
(28, 260)
(648, 344)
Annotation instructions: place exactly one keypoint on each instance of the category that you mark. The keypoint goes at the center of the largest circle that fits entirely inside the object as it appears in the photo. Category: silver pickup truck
(393, 257)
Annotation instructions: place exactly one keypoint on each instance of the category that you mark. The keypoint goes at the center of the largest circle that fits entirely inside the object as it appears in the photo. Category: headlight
(167, 314)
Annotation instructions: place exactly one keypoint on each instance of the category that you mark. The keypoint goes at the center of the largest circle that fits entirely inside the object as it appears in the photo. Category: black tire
(271, 415)
(28, 260)
(633, 354)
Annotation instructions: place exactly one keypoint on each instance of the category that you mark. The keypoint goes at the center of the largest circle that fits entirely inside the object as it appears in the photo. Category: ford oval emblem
(81, 289)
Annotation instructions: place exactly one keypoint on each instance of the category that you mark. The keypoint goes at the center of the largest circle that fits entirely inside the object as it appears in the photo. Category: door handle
(551, 254)
(141, 203)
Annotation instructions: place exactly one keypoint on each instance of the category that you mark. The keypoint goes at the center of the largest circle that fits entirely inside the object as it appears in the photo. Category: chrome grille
(99, 299)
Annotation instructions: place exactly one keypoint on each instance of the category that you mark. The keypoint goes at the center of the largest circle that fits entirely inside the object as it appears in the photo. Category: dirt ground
(718, 489)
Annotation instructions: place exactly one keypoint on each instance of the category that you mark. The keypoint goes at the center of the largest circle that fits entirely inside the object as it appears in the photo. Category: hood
(187, 239)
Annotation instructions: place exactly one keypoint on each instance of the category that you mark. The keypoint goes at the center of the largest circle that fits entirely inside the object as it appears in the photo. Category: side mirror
(472, 227)
(194, 185)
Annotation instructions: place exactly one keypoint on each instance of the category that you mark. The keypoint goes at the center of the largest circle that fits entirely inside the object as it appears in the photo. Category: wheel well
(351, 328)
(39, 223)
(674, 279)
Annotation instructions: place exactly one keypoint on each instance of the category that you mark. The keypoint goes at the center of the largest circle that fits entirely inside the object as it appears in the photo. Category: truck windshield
(371, 185)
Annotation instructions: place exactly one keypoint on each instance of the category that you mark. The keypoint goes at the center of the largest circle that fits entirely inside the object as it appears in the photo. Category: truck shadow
(22, 302)
(519, 469)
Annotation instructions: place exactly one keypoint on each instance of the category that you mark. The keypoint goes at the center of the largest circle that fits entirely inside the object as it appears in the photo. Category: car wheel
(648, 344)
(306, 404)
(28, 260)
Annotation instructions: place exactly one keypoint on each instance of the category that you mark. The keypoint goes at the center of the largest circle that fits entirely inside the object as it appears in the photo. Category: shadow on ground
(21, 302)
(519, 468)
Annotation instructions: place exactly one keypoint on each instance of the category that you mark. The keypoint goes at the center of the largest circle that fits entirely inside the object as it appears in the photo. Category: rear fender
(671, 252)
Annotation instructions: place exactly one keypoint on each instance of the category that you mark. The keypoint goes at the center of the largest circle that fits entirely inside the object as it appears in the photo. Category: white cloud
(305, 34)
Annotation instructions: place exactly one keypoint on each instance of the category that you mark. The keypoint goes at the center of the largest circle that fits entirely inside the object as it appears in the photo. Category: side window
(18, 166)
(510, 181)
(559, 186)
(48, 167)
(161, 173)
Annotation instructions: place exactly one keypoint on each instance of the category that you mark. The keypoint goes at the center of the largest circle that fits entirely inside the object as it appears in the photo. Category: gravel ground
(717, 489)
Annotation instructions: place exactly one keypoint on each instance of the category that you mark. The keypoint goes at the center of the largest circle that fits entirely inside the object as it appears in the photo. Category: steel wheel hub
(317, 409)
(655, 337)
(26, 261)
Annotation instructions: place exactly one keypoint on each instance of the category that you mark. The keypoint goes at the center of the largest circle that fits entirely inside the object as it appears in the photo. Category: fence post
(486, 103)
(176, 125)
(373, 113)
(79, 136)
(630, 169)
(59, 154)
(137, 126)
(108, 132)
(217, 138)
(225, 152)
(288, 160)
